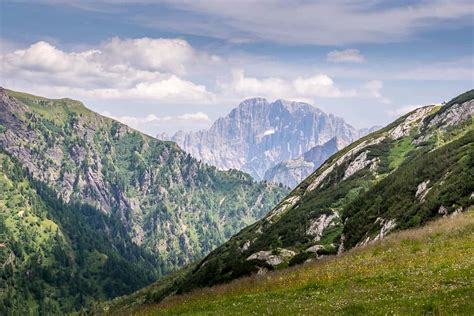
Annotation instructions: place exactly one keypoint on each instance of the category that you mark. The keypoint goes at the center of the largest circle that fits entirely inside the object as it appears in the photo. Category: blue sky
(169, 65)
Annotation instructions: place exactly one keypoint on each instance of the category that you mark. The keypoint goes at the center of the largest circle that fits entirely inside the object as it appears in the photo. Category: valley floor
(429, 270)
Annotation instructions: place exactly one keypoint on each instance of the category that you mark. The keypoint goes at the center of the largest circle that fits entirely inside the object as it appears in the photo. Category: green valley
(92, 209)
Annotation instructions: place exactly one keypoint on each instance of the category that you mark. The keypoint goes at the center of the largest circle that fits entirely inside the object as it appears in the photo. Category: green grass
(428, 270)
(53, 109)
(400, 149)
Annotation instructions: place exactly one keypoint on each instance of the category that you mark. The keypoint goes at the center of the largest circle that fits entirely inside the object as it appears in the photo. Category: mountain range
(92, 209)
(258, 135)
(414, 170)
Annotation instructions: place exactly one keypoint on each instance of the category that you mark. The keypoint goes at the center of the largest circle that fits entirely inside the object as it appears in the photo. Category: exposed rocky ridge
(257, 135)
(362, 193)
(171, 205)
(292, 172)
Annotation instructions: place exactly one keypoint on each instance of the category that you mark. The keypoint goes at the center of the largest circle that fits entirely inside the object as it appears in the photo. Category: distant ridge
(257, 135)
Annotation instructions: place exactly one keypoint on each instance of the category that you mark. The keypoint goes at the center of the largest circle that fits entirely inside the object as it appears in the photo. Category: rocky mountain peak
(294, 106)
(252, 102)
(257, 135)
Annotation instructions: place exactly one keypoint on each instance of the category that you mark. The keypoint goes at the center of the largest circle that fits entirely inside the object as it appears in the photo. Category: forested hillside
(108, 206)
(57, 256)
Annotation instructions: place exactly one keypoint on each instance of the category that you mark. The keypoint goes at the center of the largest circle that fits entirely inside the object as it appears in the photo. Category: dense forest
(57, 256)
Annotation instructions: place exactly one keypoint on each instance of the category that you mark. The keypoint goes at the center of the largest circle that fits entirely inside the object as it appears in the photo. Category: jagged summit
(294, 106)
(257, 135)
(254, 101)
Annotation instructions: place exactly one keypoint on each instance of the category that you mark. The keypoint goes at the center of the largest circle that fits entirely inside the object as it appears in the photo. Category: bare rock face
(358, 164)
(386, 226)
(318, 225)
(422, 190)
(292, 172)
(443, 210)
(273, 258)
(282, 208)
(257, 135)
(315, 248)
(410, 122)
(328, 168)
(456, 113)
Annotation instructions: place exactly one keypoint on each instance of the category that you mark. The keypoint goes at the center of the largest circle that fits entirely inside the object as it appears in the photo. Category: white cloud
(374, 89)
(153, 122)
(167, 55)
(307, 22)
(149, 69)
(345, 56)
(299, 88)
(198, 116)
(319, 86)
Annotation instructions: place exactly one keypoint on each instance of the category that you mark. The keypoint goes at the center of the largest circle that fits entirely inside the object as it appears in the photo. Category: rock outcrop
(274, 257)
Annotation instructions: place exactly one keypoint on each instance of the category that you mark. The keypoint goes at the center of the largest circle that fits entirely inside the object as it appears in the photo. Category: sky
(163, 66)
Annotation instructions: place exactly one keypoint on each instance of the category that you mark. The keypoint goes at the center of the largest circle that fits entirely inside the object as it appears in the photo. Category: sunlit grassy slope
(426, 270)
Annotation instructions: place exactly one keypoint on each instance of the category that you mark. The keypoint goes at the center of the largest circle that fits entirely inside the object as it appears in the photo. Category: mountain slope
(420, 271)
(167, 205)
(257, 135)
(58, 257)
(416, 169)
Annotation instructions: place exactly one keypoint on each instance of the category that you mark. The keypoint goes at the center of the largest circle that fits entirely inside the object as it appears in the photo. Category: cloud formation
(350, 22)
(299, 88)
(128, 69)
(345, 56)
(153, 122)
(150, 70)
(374, 90)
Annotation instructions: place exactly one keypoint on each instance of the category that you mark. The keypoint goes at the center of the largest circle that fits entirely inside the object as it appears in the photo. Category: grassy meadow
(428, 270)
